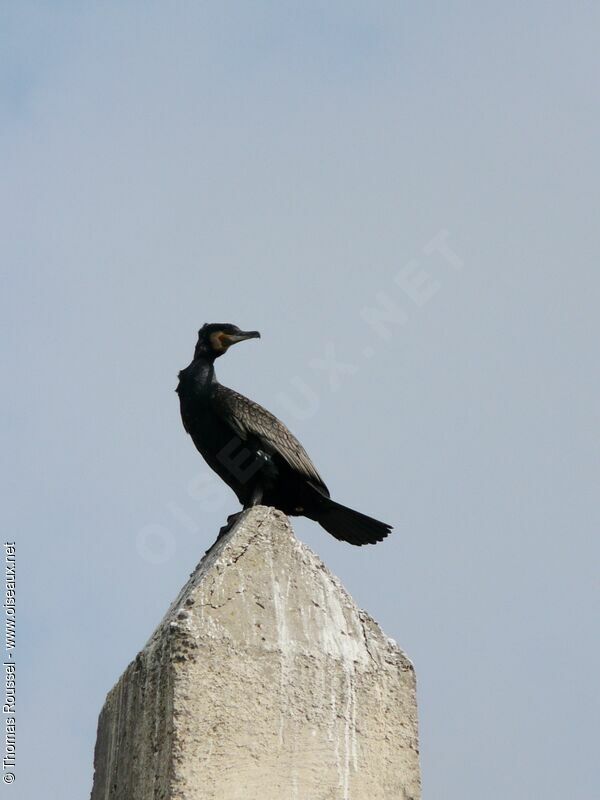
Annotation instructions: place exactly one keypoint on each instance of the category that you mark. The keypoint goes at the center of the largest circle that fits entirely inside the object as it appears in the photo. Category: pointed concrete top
(264, 680)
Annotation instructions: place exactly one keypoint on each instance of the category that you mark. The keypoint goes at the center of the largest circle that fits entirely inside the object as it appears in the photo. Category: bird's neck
(198, 377)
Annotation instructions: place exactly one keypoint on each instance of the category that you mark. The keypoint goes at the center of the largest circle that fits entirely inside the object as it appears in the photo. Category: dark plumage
(253, 452)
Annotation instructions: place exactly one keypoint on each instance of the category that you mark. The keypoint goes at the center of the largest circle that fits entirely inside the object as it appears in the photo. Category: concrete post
(264, 681)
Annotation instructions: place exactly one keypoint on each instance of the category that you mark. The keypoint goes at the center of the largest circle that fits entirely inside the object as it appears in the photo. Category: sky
(403, 199)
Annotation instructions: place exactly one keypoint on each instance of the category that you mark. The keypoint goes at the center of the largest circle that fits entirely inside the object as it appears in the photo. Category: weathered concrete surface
(264, 681)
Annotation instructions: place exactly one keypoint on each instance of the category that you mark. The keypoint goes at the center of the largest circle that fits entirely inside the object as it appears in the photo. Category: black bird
(252, 451)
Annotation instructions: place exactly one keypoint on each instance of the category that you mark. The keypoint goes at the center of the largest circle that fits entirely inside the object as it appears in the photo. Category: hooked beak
(234, 338)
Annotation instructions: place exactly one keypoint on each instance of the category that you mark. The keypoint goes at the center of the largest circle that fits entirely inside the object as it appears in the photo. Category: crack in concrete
(235, 558)
(365, 637)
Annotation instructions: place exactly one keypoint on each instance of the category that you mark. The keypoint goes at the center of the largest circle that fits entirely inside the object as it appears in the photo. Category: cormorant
(252, 451)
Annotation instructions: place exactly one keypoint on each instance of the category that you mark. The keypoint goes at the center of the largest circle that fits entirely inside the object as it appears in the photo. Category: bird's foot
(231, 520)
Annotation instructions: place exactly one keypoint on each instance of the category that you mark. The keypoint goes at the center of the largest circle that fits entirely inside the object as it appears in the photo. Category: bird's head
(215, 338)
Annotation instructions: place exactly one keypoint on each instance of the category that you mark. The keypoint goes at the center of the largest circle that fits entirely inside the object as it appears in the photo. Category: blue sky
(277, 166)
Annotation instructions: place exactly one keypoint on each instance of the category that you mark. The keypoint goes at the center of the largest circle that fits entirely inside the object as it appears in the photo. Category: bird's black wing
(249, 419)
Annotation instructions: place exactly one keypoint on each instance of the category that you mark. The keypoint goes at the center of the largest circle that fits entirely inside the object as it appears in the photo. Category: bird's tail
(349, 525)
